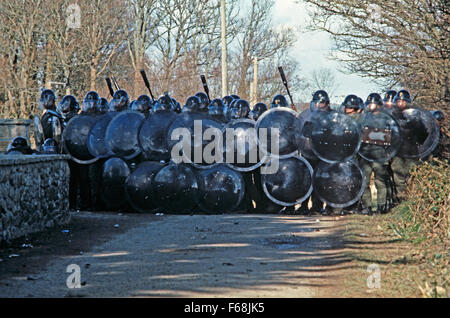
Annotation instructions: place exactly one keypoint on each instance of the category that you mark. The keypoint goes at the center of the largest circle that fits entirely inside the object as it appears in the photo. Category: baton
(205, 86)
(283, 78)
(147, 84)
(111, 90)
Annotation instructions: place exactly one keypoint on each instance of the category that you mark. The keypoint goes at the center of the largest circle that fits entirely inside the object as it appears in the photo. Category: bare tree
(258, 38)
(398, 43)
(20, 29)
(324, 78)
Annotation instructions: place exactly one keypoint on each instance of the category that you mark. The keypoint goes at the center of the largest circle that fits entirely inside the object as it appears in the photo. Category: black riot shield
(75, 137)
(276, 131)
(139, 187)
(303, 134)
(121, 136)
(291, 184)
(153, 135)
(176, 188)
(335, 137)
(241, 149)
(221, 189)
(381, 138)
(204, 148)
(114, 174)
(339, 184)
(96, 139)
(38, 132)
(419, 131)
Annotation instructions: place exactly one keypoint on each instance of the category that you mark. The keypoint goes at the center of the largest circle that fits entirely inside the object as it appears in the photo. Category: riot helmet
(279, 101)
(320, 101)
(120, 101)
(388, 99)
(351, 104)
(102, 106)
(19, 144)
(160, 107)
(439, 115)
(257, 111)
(68, 107)
(204, 101)
(47, 100)
(403, 99)
(235, 97)
(192, 105)
(50, 147)
(176, 107)
(143, 104)
(373, 102)
(227, 100)
(217, 109)
(244, 108)
(90, 102)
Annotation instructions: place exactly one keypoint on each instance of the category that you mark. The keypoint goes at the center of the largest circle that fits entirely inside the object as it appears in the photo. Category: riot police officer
(192, 105)
(68, 108)
(374, 104)
(19, 146)
(51, 120)
(279, 101)
(120, 101)
(217, 110)
(257, 111)
(50, 147)
(319, 102)
(401, 167)
(204, 101)
(143, 105)
(388, 101)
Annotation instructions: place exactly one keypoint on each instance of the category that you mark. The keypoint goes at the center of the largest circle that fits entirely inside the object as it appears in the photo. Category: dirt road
(249, 256)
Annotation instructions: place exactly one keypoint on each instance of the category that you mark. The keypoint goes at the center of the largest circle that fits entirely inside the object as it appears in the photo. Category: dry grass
(410, 244)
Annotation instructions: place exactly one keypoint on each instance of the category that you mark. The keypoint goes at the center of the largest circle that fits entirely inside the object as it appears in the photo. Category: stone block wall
(34, 194)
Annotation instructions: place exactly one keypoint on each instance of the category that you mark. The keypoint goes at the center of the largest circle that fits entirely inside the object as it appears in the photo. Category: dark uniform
(401, 167)
(380, 172)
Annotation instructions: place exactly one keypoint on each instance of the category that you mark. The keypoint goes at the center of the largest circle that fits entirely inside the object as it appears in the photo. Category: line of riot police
(122, 152)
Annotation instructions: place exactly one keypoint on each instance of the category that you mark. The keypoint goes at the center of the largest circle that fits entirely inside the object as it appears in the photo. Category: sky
(312, 50)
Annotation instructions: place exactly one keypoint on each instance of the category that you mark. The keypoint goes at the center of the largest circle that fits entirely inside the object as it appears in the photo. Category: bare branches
(396, 42)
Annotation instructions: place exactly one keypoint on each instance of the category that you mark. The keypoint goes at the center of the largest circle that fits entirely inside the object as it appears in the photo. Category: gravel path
(248, 256)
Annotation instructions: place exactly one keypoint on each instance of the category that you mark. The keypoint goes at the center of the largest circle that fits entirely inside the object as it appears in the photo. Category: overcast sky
(312, 50)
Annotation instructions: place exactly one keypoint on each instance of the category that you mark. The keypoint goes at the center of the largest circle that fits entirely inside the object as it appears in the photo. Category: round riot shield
(196, 139)
(335, 137)
(221, 189)
(139, 187)
(276, 131)
(419, 131)
(75, 137)
(290, 182)
(38, 132)
(176, 188)
(96, 139)
(241, 149)
(121, 136)
(339, 184)
(381, 137)
(153, 135)
(114, 174)
(303, 134)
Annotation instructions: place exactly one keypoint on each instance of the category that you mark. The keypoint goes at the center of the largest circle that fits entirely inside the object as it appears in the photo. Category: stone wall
(34, 194)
